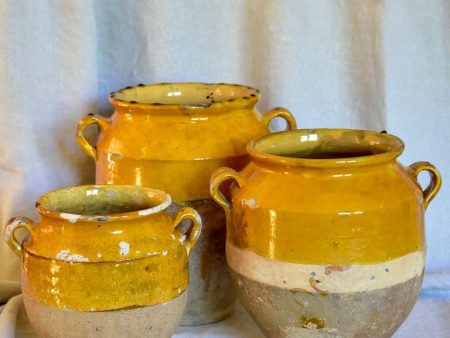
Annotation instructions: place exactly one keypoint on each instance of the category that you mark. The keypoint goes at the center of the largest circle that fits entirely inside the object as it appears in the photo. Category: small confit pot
(325, 233)
(172, 136)
(104, 261)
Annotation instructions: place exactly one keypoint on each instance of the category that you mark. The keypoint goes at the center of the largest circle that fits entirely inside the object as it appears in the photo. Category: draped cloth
(372, 64)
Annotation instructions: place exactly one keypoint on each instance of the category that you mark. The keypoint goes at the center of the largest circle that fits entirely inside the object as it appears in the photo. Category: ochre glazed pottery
(172, 137)
(104, 261)
(325, 233)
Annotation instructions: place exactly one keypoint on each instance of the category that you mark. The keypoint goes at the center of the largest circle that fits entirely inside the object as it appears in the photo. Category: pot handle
(217, 178)
(279, 112)
(10, 229)
(195, 229)
(82, 125)
(434, 186)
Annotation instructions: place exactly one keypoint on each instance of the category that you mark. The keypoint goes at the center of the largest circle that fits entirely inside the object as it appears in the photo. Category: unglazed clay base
(150, 321)
(291, 300)
(211, 296)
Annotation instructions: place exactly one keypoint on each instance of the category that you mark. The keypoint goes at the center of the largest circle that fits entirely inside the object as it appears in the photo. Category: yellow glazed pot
(172, 137)
(325, 232)
(104, 261)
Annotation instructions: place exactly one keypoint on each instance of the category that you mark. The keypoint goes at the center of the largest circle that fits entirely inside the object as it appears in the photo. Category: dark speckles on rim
(100, 218)
(247, 93)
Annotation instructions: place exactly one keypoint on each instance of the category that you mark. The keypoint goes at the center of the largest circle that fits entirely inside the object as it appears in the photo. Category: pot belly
(302, 300)
(158, 320)
(104, 286)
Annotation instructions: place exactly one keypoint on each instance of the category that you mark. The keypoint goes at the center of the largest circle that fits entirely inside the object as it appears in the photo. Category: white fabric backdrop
(357, 64)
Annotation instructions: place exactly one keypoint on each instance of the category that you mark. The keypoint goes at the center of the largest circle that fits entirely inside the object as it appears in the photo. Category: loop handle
(217, 178)
(10, 229)
(84, 122)
(195, 229)
(279, 112)
(434, 186)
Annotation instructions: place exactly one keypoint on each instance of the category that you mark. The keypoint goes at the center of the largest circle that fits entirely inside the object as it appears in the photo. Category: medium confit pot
(104, 261)
(325, 233)
(172, 137)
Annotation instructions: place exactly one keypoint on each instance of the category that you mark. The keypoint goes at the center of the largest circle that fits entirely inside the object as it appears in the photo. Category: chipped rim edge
(253, 97)
(73, 218)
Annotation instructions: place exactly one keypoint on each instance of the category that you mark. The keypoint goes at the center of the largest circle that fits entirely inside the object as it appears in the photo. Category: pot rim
(45, 211)
(248, 100)
(389, 154)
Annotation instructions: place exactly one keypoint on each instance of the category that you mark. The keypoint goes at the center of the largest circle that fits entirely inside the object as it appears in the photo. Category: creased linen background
(356, 64)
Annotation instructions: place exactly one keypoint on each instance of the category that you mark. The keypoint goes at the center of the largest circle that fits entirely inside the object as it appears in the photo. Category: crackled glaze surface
(324, 229)
(99, 248)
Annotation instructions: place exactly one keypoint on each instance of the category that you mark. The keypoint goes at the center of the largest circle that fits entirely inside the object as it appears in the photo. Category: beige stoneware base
(211, 296)
(284, 312)
(152, 321)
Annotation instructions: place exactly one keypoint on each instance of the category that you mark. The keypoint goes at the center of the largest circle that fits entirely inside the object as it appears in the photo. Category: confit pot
(325, 234)
(104, 261)
(172, 136)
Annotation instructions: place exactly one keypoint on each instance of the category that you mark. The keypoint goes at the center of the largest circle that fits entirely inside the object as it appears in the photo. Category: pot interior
(186, 94)
(327, 144)
(103, 200)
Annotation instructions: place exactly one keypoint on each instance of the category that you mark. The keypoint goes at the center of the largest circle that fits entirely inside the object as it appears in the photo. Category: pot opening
(325, 147)
(184, 94)
(90, 202)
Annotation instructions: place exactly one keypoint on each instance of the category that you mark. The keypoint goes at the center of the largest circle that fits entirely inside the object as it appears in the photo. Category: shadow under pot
(172, 136)
(325, 233)
(104, 261)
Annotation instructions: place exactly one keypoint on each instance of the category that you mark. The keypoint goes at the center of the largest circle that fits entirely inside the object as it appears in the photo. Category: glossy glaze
(100, 248)
(173, 136)
(330, 213)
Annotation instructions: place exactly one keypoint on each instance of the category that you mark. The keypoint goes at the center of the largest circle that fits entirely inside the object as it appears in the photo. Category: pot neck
(194, 98)
(323, 149)
(116, 203)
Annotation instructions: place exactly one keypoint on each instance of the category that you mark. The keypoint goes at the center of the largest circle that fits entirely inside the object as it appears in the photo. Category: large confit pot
(171, 137)
(325, 232)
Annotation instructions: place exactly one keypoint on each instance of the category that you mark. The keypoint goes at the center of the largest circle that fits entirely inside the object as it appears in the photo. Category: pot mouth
(188, 95)
(326, 147)
(94, 203)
